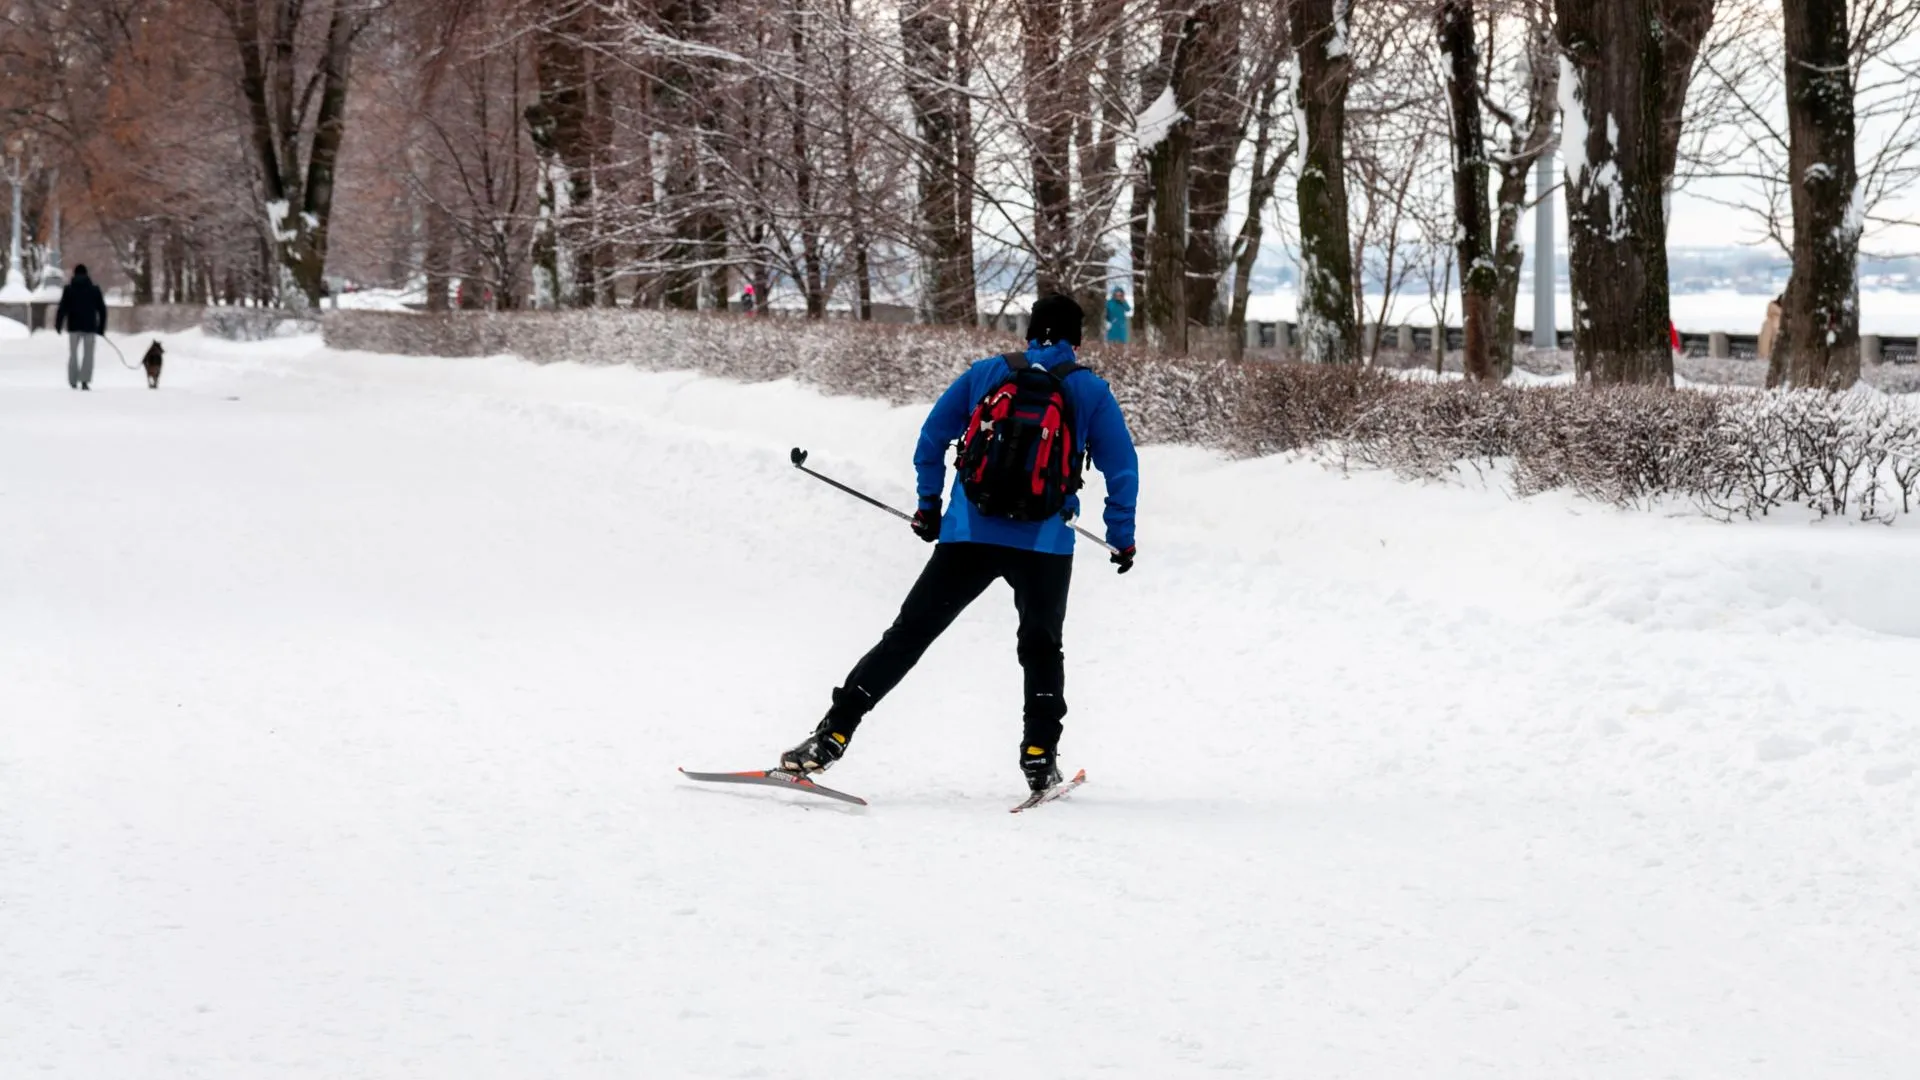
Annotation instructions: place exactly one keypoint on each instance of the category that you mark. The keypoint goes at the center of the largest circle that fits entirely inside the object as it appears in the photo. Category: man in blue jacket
(975, 549)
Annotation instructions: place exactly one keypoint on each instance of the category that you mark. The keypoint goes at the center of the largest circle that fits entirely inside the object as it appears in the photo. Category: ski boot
(1040, 766)
(817, 753)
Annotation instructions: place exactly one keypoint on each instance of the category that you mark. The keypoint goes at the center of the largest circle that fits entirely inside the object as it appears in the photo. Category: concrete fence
(1282, 338)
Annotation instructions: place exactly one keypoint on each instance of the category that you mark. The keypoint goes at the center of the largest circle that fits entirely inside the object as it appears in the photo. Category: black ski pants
(954, 577)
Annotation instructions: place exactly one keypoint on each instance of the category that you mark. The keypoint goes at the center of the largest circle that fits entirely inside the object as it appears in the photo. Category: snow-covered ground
(341, 695)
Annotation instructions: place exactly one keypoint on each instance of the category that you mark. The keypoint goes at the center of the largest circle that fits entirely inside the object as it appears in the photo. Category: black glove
(926, 520)
(1124, 557)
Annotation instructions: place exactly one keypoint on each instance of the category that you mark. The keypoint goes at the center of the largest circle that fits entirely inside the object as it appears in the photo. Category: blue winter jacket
(1099, 425)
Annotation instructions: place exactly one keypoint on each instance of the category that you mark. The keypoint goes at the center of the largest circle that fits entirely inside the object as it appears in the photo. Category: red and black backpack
(1020, 456)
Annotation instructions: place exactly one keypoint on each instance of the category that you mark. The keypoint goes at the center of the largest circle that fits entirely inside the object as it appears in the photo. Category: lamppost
(1545, 335)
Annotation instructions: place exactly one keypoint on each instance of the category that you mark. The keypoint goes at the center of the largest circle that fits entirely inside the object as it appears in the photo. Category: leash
(118, 353)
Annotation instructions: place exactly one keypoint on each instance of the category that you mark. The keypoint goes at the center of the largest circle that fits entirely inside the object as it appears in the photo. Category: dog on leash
(152, 363)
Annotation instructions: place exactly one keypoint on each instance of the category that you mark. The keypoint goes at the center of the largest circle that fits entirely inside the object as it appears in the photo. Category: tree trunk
(1165, 298)
(967, 161)
(1219, 128)
(1614, 103)
(933, 40)
(1169, 172)
(1820, 345)
(330, 128)
(1050, 144)
(811, 275)
(1267, 163)
(1099, 121)
(1472, 242)
(850, 162)
(1265, 174)
(143, 267)
(439, 253)
(565, 131)
(681, 285)
(549, 286)
(1324, 70)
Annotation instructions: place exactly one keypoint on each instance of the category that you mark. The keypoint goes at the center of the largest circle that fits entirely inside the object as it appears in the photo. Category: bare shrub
(1731, 452)
(253, 324)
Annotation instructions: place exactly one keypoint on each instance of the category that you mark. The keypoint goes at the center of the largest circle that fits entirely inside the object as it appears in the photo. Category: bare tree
(297, 115)
(1270, 157)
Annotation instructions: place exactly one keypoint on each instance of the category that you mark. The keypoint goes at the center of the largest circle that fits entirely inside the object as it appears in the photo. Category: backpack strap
(1017, 361)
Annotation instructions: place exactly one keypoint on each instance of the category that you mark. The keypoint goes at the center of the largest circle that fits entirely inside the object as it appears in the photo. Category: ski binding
(1040, 798)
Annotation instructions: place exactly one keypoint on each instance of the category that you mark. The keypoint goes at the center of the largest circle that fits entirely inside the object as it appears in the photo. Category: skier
(81, 315)
(975, 547)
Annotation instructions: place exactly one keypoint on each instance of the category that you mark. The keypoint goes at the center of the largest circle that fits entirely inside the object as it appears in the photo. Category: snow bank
(13, 329)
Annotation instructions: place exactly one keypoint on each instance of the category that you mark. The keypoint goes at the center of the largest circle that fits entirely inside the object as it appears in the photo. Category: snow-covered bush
(1731, 451)
(254, 324)
(1740, 452)
(155, 318)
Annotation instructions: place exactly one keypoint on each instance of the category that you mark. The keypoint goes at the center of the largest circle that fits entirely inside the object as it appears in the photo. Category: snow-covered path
(340, 699)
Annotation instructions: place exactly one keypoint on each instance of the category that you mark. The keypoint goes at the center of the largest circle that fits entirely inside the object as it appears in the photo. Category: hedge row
(1732, 452)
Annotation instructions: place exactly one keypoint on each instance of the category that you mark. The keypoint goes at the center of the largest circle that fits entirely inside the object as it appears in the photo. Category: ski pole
(799, 459)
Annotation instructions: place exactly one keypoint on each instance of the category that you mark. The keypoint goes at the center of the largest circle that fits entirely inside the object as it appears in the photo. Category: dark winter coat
(83, 310)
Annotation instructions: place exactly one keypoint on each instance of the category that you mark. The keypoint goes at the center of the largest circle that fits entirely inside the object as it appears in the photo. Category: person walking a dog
(82, 315)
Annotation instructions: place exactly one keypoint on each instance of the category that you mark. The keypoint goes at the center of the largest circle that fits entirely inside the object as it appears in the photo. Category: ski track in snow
(343, 696)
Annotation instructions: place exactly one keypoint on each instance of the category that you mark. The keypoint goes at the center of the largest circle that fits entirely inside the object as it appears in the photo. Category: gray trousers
(79, 359)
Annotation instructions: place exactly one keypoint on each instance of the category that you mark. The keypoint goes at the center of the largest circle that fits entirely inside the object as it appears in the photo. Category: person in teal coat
(1117, 311)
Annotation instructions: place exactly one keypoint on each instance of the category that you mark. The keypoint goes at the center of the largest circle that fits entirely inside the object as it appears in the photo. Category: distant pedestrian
(746, 299)
(1770, 330)
(1117, 312)
(82, 315)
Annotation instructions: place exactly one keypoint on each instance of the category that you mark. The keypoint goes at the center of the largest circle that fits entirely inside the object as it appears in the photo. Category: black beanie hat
(1055, 318)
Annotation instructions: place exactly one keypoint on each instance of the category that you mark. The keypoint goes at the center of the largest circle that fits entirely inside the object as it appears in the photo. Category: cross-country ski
(774, 778)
